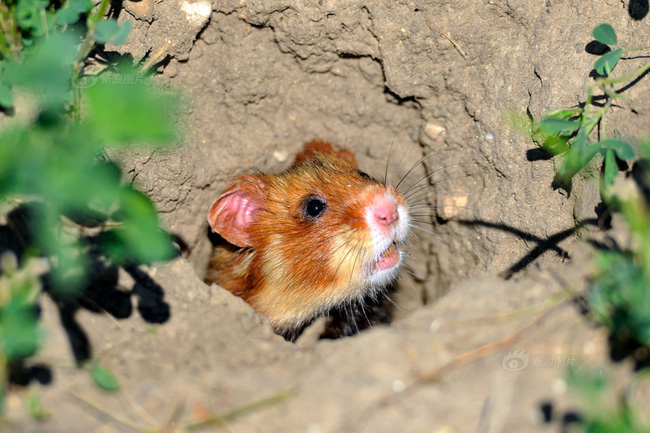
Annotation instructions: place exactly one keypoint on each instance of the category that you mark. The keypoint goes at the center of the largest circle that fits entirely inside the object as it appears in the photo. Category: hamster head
(318, 235)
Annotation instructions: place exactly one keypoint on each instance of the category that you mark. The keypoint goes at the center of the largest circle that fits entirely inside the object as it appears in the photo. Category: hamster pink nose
(384, 210)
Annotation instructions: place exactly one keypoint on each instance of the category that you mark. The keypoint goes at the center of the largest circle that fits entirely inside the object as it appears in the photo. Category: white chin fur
(381, 278)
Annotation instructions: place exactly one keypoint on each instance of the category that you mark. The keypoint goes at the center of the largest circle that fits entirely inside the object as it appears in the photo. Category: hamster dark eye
(363, 175)
(314, 207)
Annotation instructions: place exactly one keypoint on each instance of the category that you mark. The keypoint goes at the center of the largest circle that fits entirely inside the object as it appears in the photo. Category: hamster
(322, 238)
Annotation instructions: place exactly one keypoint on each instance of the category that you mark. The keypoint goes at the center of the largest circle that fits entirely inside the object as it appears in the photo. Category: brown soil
(261, 79)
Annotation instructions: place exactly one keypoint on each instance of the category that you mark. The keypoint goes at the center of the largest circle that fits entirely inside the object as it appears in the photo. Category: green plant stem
(9, 42)
(86, 47)
(89, 42)
(607, 86)
(625, 49)
(629, 77)
(44, 22)
(590, 97)
(601, 114)
(4, 380)
(4, 46)
(589, 122)
(4, 43)
(593, 120)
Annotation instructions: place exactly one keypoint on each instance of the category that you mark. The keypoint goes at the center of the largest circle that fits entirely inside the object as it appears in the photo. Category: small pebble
(280, 155)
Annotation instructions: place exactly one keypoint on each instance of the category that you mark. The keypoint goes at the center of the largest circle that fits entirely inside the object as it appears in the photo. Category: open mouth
(389, 258)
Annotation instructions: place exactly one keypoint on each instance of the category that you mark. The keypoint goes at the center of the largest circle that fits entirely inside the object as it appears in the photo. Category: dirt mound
(261, 79)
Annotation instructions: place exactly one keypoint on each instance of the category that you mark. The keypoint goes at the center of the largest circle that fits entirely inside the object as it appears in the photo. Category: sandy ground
(470, 350)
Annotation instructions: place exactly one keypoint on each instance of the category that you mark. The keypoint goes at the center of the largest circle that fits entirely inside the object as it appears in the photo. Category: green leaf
(620, 293)
(12, 150)
(19, 334)
(104, 378)
(70, 14)
(6, 98)
(577, 158)
(605, 34)
(139, 238)
(66, 16)
(46, 70)
(127, 111)
(70, 269)
(109, 31)
(607, 62)
(564, 113)
(623, 150)
(559, 126)
(106, 190)
(81, 5)
(610, 168)
(32, 16)
(556, 145)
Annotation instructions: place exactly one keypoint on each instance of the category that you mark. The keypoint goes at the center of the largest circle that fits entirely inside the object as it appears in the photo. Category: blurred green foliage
(19, 333)
(619, 294)
(620, 298)
(59, 160)
(594, 388)
(52, 155)
(19, 290)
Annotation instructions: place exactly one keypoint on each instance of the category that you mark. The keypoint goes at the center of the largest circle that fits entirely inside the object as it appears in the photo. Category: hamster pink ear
(236, 209)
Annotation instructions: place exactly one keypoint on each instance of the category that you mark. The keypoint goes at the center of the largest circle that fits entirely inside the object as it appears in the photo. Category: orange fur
(316, 147)
(292, 268)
